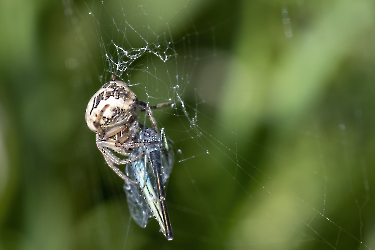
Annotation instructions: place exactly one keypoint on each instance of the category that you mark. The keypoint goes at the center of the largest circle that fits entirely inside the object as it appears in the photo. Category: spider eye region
(112, 105)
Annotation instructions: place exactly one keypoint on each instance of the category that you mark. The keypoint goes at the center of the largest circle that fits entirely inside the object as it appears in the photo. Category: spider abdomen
(112, 105)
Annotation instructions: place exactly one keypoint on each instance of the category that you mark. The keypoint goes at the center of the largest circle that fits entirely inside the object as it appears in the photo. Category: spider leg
(118, 171)
(152, 119)
(112, 145)
(111, 160)
(157, 106)
(113, 131)
(122, 148)
(148, 109)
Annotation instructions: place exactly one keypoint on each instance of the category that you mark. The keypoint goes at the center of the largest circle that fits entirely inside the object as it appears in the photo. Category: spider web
(270, 143)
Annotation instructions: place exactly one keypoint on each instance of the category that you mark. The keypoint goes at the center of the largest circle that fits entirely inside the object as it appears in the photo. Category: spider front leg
(147, 108)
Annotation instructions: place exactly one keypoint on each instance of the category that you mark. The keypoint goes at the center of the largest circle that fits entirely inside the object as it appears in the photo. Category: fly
(146, 196)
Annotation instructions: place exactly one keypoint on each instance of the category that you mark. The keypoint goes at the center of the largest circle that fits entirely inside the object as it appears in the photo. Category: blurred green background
(281, 92)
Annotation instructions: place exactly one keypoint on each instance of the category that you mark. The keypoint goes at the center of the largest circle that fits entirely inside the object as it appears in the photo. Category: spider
(112, 113)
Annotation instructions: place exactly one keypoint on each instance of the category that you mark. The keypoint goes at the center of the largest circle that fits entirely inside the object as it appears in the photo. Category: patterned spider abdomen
(112, 105)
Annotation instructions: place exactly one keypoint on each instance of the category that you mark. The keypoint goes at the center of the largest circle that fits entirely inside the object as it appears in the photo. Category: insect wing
(167, 157)
(138, 207)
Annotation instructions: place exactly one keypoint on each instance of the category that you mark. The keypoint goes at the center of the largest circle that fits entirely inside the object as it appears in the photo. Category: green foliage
(286, 118)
